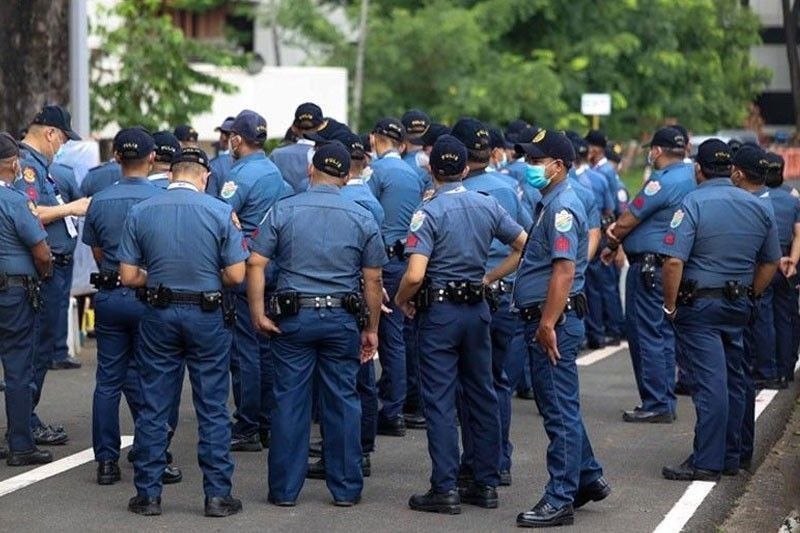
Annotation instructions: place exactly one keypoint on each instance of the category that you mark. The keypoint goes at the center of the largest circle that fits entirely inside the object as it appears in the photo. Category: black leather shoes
(394, 427)
(250, 443)
(2, 385)
(545, 515)
(436, 502)
(70, 363)
(612, 341)
(647, 417)
(264, 437)
(526, 394)
(33, 457)
(171, 475)
(505, 478)
(3, 452)
(595, 491)
(49, 436)
(145, 506)
(466, 476)
(686, 472)
(366, 466)
(415, 421)
(594, 344)
(108, 472)
(220, 506)
(315, 448)
(316, 470)
(682, 389)
(347, 503)
(480, 495)
(280, 503)
(772, 384)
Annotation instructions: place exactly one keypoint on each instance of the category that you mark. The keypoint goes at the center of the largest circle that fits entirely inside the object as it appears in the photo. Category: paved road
(632, 457)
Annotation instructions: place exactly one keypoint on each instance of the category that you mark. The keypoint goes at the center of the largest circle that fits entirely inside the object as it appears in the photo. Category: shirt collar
(717, 182)
(259, 154)
(182, 185)
(602, 162)
(136, 180)
(390, 154)
(307, 142)
(450, 187)
(223, 152)
(477, 172)
(35, 153)
(158, 176)
(324, 187)
(555, 191)
(356, 181)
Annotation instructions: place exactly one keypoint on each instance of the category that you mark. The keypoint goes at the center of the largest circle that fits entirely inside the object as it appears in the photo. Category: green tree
(144, 73)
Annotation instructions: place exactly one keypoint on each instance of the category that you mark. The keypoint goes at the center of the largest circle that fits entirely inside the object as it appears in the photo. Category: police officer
(708, 278)
(784, 284)
(448, 243)
(186, 135)
(24, 258)
(314, 306)
(183, 324)
(253, 185)
(292, 159)
(549, 294)
(475, 136)
(417, 123)
(49, 131)
(100, 177)
(222, 163)
(641, 229)
(166, 148)
(399, 190)
(516, 165)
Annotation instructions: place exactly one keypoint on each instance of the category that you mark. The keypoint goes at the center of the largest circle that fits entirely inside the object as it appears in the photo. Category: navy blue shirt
(254, 184)
(106, 216)
(183, 238)
(586, 196)
(292, 161)
(357, 190)
(517, 169)
(787, 214)
(614, 185)
(455, 229)
(559, 232)
(66, 182)
(160, 180)
(220, 166)
(655, 204)
(320, 241)
(721, 232)
(399, 191)
(100, 177)
(20, 230)
(598, 184)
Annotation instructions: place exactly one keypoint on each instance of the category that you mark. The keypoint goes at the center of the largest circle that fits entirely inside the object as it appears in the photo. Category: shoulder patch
(417, 220)
(32, 207)
(652, 188)
(622, 195)
(29, 175)
(677, 218)
(795, 193)
(563, 221)
(228, 189)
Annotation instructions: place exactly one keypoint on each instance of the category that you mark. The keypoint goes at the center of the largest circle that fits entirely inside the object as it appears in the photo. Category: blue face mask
(535, 177)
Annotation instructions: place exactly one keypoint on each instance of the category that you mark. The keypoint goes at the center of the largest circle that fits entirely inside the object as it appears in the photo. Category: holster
(284, 304)
(354, 304)
(686, 292)
(424, 297)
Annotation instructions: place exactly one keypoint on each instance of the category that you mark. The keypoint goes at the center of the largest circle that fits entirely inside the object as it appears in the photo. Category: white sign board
(596, 104)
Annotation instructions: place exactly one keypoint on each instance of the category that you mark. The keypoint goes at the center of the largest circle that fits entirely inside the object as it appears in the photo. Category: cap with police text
(57, 117)
(133, 143)
(416, 122)
(8, 145)
(308, 116)
(548, 144)
(192, 154)
(332, 158)
(714, 158)
(392, 128)
(683, 132)
(448, 156)
(251, 126)
(472, 132)
(776, 162)
(185, 133)
(596, 138)
(667, 137)
(527, 135)
(166, 146)
(225, 127)
(751, 160)
(352, 142)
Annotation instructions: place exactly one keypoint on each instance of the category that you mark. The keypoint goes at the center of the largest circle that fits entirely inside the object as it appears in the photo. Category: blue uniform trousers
(413, 403)
(246, 373)
(170, 338)
(53, 329)
(595, 326)
(392, 353)
(455, 351)
(684, 377)
(710, 333)
(613, 317)
(518, 366)
(786, 323)
(329, 341)
(760, 339)
(570, 460)
(19, 328)
(267, 372)
(60, 349)
(118, 313)
(651, 339)
(368, 394)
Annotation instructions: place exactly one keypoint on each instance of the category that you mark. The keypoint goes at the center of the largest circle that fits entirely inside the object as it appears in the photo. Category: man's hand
(407, 308)
(546, 337)
(787, 267)
(79, 207)
(385, 309)
(619, 260)
(369, 345)
(610, 233)
(607, 256)
(265, 325)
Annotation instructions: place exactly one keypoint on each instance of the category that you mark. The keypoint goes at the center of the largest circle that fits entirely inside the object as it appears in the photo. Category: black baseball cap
(498, 140)
(166, 146)
(596, 138)
(548, 144)
(332, 158)
(133, 143)
(392, 128)
(683, 131)
(192, 154)
(667, 137)
(185, 132)
(614, 153)
(57, 117)
(734, 145)
(514, 128)
(416, 122)
(776, 162)
(714, 157)
(225, 127)
(365, 141)
(472, 132)
(8, 145)
(752, 160)
(434, 131)
(352, 142)
(448, 156)
(308, 116)
(527, 135)
(330, 128)
(251, 126)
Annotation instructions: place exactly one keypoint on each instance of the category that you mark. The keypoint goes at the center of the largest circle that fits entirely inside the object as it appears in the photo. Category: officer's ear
(117, 158)
(151, 159)
(464, 172)
(310, 170)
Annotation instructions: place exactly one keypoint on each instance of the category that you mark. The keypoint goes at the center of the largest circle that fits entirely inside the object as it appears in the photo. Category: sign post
(596, 105)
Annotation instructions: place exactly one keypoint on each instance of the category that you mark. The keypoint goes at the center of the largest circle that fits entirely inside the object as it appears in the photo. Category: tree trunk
(791, 16)
(358, 82)
(34, 59)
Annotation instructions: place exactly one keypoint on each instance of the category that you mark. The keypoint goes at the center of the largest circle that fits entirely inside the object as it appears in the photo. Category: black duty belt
(105, 280)
(13, 280)
(162, 297)
(655, 259)
(576, 302)
(318, 302)
(688, 291)
(62, 259)
(722, 293)
(398, 249)
(500, 287)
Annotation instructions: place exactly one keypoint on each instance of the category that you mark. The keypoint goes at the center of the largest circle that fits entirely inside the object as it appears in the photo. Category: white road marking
(53, 469)
(598, 355)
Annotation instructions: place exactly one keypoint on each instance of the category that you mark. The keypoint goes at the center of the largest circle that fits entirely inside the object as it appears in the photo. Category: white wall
(773, 57)
(769, 11)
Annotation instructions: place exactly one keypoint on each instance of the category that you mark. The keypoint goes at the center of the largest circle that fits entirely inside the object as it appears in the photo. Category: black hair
(716, 171)
(774, 177)
(479, 156)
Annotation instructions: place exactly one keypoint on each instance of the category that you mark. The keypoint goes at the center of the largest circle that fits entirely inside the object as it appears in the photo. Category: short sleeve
(506, 229)
(679, 239)
(264, 240)
(89, 237)
(129, 251)
(561, 226)
(652, 197)
(374, 253)
(233, 247)
(796, 210)
(524, 217)
(421, 234)
(28, 226)
(608, 196)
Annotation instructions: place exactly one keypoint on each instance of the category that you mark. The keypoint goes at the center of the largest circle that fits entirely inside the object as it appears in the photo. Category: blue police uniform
(455, 230)
(118, 313)
(100, 177)
(358, 191)
(517, 169)
(399, 190)
(709, 331)
(160, 180)
(292, 161)
(62, 234)
(504, 323)
(650, 336)
(20, 230)
(182, 333)
(560, 232)
(412, 160)
(253, 185)
(220, 166)
(326, 339)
